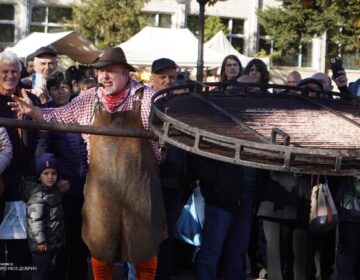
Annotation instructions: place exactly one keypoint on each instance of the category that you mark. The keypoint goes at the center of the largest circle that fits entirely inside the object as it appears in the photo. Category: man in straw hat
(123, 215)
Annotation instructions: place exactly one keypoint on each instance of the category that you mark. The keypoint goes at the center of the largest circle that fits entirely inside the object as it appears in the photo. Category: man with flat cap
(163, 73)
(172, 172)
(45, 63)
(122, 220)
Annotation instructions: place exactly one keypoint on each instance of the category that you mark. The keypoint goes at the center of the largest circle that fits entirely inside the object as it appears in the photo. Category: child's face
(48, 177)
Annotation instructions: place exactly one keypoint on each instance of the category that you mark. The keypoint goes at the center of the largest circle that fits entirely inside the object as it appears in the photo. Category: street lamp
(200, 61)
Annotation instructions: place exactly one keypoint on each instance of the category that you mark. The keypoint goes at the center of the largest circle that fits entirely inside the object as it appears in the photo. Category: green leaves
(299, 21)
(108, 22)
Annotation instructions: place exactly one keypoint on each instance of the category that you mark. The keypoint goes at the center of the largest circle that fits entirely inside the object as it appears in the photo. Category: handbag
(355, 207)
(189, 224)
(323, 213)
(355, 202)
(13, 226)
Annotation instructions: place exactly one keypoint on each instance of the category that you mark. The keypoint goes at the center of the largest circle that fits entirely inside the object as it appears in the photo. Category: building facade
(18, 18)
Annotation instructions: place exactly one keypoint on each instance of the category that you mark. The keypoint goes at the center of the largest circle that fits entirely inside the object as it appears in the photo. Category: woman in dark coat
(284, 208)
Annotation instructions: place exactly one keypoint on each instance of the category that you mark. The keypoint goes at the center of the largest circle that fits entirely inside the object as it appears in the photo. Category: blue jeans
(228, 230)
(131, 271)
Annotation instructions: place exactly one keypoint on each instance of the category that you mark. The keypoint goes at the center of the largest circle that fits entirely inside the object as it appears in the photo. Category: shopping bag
(189, 225)
(355, 207)
(13, 225)
(323, 213)
(355, 202)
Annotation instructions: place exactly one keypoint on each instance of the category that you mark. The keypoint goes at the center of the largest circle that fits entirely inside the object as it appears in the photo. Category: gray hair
(10, 57)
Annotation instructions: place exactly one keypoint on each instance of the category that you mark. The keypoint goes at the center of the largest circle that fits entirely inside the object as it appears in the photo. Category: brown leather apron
(123, 211)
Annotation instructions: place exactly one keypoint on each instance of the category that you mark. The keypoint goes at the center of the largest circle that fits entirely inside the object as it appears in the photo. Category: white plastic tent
(70, 43)
(221, 44)
(179, 45)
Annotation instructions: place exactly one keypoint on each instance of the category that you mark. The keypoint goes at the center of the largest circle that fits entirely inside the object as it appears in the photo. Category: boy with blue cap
(45, 216)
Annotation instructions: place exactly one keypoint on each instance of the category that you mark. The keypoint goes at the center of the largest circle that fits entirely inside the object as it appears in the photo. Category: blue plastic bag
(189, 225)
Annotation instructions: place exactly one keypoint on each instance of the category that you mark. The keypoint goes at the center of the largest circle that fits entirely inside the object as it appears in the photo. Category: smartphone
(336, 66)
(38, 81)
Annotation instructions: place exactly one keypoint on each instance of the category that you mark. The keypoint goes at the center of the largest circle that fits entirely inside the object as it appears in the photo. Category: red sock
(102, 270)
(146, 270)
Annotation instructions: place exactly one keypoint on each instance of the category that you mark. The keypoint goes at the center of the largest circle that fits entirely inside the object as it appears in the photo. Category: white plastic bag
(191, 220)
(13, 225)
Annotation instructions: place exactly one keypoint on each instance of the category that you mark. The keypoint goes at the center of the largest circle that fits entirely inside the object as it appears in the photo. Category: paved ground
(120, 274)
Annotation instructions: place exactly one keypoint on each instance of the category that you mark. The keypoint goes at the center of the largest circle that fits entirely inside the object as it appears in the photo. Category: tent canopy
(179, 45)
(69, 43)
(221, 44)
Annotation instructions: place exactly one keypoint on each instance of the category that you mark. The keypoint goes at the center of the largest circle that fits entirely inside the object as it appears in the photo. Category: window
(235, 29)
(7, 23)
(306, 54)
(192, 23)
(236, 32)
(303, 59)
(237, 43)
(158, 20)
(48, 19)
(164, 20)
(150, 19)
(264, 41)
(237, 26)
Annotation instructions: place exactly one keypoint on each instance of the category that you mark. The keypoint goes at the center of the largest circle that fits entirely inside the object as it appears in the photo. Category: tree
(298, 21)
(108, 22)
(212, 26)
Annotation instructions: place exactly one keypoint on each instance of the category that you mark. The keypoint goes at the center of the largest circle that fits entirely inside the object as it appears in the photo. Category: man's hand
(341, 80)
(42, 247)
(23, 105)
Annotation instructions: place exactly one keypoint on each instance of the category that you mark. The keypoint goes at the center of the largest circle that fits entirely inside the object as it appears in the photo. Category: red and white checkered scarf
(114, 101)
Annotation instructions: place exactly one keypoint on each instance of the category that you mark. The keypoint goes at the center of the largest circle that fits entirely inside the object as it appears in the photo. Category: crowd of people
(84, 203)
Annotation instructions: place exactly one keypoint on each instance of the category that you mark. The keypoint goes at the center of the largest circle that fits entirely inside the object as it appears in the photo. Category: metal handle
(278, 131)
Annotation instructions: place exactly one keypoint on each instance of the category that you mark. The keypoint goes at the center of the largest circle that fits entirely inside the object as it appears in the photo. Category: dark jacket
(354, 88)
(45, 217)
(347, 189)
(285, 196)
(222, 183)
(24, 146)
(173, 171)
(71, 155)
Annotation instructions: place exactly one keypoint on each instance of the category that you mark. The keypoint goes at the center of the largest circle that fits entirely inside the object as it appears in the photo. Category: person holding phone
(351, 89)
(45, 63)
(339, 75)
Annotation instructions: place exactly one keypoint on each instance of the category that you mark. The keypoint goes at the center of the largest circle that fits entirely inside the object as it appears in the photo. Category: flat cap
(43, 51)
(161, 64)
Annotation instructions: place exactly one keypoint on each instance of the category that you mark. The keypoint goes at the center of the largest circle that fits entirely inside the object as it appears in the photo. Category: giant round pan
(283, 132)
